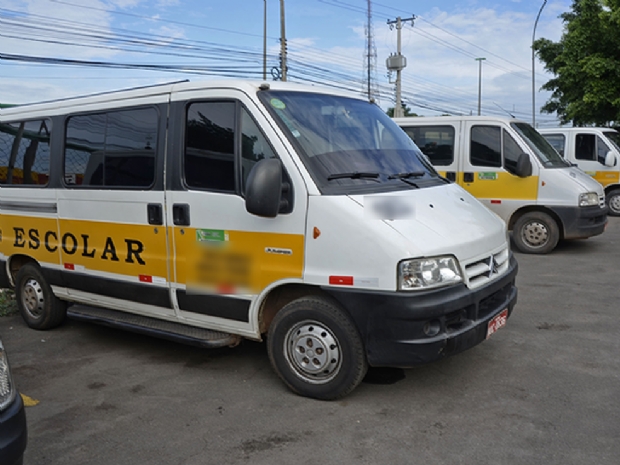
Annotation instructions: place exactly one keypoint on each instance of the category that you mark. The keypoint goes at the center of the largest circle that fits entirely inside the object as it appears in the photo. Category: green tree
(586, 64)
(406, 110)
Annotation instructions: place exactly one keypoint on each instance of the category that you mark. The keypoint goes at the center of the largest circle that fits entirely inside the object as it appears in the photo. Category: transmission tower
(370, 86)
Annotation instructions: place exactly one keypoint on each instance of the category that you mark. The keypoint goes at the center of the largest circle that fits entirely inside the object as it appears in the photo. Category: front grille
(488, 268)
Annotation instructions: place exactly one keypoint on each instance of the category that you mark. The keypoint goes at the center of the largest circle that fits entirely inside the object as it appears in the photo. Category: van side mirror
(523, 167)
(263, 191)
(610, 159)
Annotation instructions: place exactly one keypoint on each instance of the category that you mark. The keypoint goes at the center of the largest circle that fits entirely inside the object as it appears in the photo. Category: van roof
(60, 106)
(578, 129)
(453, 119)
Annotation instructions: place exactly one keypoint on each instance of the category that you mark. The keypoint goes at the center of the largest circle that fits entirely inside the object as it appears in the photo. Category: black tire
(536, 233)
(315, 348)
(612, 198)
(38, 305)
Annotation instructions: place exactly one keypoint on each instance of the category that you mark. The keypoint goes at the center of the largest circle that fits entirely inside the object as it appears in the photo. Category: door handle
(468, 177)
(180, 214)
(451, 176)
(155, 213)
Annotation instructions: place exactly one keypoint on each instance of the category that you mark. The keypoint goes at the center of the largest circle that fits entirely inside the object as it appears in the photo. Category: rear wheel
(38, 305)
(315, 348)
(536, 233)
(613, 202)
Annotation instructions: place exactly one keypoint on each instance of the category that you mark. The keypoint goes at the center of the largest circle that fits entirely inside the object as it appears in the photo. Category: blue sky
(326, 43)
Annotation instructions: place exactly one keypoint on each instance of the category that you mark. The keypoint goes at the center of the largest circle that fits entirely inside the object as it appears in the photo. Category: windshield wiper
(410, 174)
(355, 175)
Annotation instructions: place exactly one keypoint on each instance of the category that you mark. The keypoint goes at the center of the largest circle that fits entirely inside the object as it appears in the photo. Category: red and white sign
(498, 321)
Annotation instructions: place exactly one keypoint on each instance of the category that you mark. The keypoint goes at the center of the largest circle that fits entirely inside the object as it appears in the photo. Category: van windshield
(349, 145)
(543, 150)
(614, 138)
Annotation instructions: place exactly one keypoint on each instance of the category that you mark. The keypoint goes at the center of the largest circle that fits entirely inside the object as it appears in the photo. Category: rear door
(224, 257)
(111, 232)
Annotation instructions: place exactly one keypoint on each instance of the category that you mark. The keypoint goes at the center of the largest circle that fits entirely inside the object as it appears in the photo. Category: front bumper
(13, 433)
(404, 329)
(581, 222)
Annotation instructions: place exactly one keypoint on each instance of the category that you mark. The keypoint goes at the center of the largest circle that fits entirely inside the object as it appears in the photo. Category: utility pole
(398, 62)
(479, 60)
(282, 42)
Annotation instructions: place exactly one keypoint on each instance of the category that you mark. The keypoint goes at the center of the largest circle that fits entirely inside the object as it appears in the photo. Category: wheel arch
(536, 208)
(279, 297)
(611, 187)
(15, 263)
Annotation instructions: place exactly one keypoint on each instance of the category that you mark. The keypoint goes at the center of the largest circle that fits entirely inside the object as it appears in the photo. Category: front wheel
(536, 233)
(613, 202)
(315, 348)
(38, 305)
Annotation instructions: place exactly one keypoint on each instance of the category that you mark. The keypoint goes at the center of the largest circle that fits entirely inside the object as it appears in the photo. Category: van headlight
(427, 273)
(588, 199)
(7, 388)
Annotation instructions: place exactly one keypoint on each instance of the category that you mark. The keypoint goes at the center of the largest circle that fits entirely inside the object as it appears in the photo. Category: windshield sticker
(487, 176)
(277, 103)
(211, 235)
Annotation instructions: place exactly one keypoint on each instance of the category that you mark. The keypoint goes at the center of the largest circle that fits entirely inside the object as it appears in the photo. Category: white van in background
(514, 171)
(215, 211)
(594, 150)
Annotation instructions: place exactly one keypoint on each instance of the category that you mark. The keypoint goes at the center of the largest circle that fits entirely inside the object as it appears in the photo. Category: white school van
(514, 171)
(594, 150)
(212, 212)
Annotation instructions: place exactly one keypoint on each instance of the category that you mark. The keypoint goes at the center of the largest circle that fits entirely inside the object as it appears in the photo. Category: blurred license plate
(498, 321)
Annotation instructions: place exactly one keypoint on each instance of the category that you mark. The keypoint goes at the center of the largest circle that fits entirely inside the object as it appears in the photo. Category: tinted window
(254, 146)
(436, 142)
(210, 146)
(557, 141)
(25, 152)
(486, 146)
(115, 149)
(585, 147)
(511, 151)
(601, 150)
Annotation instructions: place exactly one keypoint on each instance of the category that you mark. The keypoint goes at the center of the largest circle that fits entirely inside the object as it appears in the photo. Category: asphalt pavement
(543, 390)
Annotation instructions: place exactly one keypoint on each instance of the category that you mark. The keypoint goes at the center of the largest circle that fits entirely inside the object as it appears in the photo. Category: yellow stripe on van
(605, 177)
(236, 261)
(124, 249)
(33, 236)
(500, 185)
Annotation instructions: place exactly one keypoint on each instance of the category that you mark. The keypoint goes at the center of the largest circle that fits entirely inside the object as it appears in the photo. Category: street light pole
(265, 40)
(282, 41)
(533, 64)
(479, 60)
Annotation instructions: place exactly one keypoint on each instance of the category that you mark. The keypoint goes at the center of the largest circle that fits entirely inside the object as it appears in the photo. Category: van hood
(437, 220)
(584, 180)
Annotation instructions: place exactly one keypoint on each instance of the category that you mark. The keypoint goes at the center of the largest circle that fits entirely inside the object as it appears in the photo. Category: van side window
(585, 147)
(25, 152)
(557, 141)
(254, 146)
(486, 148)
(209, 161)
(115, 149)
(436, 142)
(511, 151)
(601, 149)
